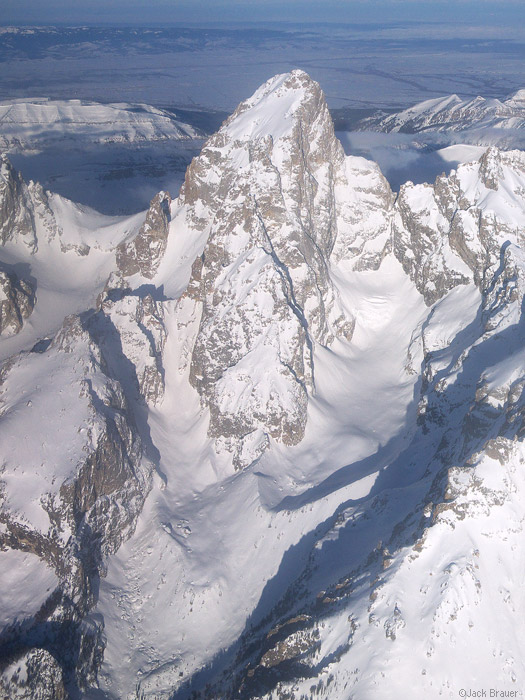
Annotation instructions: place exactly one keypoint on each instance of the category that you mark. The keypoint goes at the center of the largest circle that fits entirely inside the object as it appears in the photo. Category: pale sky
(172, 11)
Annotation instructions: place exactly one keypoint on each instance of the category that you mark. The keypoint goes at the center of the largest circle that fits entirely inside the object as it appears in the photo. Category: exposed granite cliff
(264, 187)
(17, 301)
(144, 252)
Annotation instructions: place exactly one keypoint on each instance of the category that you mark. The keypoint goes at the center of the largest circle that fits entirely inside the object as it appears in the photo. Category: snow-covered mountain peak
(263, 192)
(434, 106)
(276, 106)
(289, 111)
(518, 98)
(490, 168)
(332, 465)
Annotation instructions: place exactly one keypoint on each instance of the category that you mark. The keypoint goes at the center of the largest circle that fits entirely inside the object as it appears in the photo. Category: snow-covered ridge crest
(263, 190)
(451, 113)
(39, 121)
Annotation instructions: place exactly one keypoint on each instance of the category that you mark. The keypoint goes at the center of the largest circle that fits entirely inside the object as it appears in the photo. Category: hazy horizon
(27, 12)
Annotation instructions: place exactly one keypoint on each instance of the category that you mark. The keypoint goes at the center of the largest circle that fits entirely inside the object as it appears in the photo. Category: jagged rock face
(16, 219)
(143, 254)
(451, 233)
(139, 319)
(17, 300)
(264, 187)
(421, 243)
(364, 203)
(81, 501)
(26, 212)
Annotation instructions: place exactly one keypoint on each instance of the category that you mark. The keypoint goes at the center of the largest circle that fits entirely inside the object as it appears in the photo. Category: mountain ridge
(297, 409)
(451, 113)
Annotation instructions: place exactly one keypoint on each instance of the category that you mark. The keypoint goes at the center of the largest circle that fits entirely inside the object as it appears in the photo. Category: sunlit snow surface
(26, 584)
(66, 282)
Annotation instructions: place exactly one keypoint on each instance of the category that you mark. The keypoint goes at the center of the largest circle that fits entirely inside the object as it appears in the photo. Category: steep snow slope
(290, 427)
(63, 250)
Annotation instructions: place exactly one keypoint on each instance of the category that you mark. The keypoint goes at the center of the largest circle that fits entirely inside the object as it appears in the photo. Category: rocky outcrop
(144, 252)
(451, 233)
(421, 243)
(364, 204)
(16, 217)
(17, 301)
(138, 320)
(26, 212)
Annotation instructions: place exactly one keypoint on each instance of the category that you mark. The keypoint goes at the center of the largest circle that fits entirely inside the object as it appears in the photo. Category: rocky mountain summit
(265, 194)
(266, 427)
